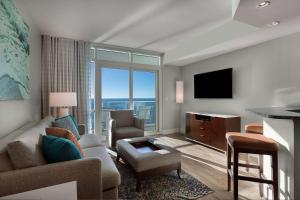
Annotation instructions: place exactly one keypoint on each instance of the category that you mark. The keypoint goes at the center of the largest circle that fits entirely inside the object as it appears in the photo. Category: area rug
(166, 187)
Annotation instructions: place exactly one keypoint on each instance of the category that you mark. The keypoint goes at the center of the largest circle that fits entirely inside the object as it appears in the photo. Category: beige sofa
(96, 174)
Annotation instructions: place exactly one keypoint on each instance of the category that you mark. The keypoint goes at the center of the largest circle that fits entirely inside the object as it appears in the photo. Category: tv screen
(216, 84)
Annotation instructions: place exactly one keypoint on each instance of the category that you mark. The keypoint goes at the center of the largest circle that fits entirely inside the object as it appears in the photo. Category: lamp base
(62, 112)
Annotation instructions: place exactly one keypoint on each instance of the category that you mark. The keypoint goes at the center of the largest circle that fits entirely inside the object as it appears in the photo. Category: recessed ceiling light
(275, 23)
(263, 4)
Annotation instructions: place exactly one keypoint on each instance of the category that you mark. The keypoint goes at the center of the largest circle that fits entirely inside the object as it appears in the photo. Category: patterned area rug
(167, 186)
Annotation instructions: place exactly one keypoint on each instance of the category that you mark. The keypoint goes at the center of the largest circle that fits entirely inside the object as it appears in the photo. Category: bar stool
(253, 144)
(256, 128)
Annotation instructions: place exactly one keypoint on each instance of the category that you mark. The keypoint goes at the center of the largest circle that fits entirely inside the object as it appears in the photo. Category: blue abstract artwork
(14, 53)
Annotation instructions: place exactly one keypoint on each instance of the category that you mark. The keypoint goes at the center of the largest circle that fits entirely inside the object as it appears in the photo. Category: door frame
(130, 67)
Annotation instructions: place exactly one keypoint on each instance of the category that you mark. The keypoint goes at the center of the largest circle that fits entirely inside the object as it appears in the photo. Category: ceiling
(186, 31)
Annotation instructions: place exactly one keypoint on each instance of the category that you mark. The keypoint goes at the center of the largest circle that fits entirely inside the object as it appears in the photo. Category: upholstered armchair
(123, 124)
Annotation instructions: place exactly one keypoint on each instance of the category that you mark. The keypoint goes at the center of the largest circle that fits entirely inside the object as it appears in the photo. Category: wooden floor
(209, 167)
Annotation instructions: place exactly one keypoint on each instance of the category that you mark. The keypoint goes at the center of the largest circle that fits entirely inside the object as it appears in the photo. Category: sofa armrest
(81, 129)
(86, 172)
(111, 132)
(139, 123)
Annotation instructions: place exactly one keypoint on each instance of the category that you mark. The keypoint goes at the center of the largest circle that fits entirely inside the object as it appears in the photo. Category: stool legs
(275, 175)
(247, 162)
(228, 167)
(261, 171)
(235, 174)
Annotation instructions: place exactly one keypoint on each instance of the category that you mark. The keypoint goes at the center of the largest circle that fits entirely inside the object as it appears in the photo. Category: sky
(115, 83)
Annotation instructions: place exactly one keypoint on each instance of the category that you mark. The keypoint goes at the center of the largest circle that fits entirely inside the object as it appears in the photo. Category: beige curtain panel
(65, 68)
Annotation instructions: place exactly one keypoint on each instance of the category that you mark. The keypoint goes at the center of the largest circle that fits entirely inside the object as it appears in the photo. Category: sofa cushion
(90, 140)
(64, 133)
(110, 174)
(5, 162)
(69, 123)
(128, 132)
(57, 149)
(25, 153)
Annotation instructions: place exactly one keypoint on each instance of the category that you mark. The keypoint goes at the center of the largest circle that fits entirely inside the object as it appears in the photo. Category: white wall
(14, 114)
(264, 75)
(171, 110)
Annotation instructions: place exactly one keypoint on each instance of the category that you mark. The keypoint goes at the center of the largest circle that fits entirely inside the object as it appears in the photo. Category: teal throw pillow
(69, 123)
(57, 149)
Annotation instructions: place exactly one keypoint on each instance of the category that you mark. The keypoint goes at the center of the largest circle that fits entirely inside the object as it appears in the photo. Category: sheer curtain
(65, 68)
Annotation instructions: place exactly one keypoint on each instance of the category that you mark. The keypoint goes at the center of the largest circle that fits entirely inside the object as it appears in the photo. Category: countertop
(215, 114)
(277, 112)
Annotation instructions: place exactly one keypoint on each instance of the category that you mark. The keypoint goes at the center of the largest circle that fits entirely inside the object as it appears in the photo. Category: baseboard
(170, 131)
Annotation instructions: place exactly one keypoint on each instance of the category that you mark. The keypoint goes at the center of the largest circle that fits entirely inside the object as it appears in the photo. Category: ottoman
(146, 158)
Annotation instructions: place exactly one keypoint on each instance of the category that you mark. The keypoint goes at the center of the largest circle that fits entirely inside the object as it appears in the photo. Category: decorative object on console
(210, 129)
(62, 100)
(179, 92)
(14, 51)
(68, 123)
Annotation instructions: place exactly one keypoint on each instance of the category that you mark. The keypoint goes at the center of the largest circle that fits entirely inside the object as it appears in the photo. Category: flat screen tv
(216, 84)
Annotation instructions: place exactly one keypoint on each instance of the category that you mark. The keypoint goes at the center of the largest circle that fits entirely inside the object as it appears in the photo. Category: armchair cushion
(128, 132)
(124, 118)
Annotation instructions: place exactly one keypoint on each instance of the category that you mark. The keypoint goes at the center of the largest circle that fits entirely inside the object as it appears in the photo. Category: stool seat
(254, 128)
(251, 141)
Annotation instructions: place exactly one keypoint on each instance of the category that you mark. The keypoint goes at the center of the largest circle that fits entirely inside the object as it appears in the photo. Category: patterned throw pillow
(58, 149)
(65, 133)
(69, 123)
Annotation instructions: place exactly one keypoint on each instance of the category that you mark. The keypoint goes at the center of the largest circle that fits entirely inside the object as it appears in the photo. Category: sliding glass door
(144, 97)
(115, 89)
(121, 88)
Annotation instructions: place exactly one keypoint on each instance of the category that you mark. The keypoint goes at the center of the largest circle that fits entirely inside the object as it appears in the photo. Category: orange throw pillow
(64, 133)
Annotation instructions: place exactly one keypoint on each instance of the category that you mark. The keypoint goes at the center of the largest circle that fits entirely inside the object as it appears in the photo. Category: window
(91, 103)
(115, 88)
(145, 59)
(144, 97)
(125, 57)
(125, 80)
(112, 55)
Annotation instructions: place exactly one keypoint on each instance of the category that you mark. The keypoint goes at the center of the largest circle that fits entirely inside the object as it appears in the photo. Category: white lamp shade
(179, 91)
(62, 99)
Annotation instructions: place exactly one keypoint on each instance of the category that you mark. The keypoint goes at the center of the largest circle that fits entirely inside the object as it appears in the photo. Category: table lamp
(62, 100)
